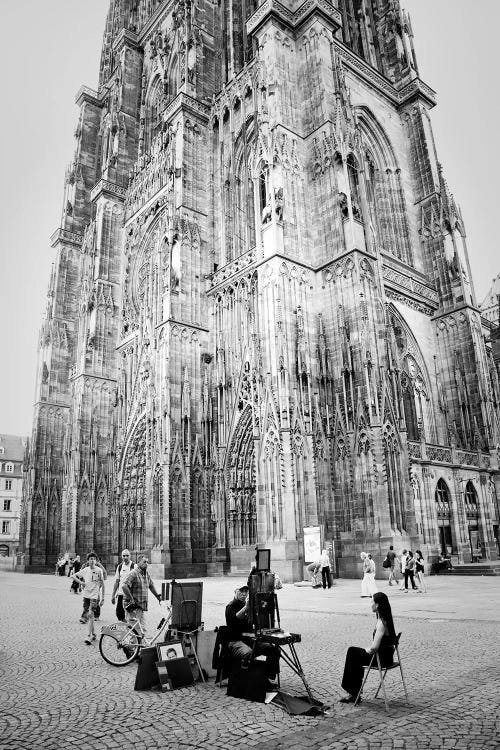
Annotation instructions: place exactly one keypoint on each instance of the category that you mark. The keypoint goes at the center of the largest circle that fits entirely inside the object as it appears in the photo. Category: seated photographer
(243, 648)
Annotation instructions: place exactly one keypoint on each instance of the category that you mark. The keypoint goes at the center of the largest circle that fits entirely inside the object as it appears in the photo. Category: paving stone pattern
(58, 693)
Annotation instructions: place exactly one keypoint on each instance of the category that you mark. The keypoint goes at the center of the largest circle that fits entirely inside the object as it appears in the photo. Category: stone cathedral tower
(261, 316)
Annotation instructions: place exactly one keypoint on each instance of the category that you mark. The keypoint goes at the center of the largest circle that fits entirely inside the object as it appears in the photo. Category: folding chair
(375, 664)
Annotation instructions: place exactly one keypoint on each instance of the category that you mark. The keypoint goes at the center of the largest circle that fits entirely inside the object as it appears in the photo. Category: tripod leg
(300, 671)
(277, 609)
(189, 638)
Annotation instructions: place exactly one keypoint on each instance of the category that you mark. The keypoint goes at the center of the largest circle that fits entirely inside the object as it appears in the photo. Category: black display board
(186, 600)
(147, 674)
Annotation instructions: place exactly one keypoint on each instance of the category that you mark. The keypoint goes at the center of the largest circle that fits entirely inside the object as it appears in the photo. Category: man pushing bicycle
(135, 593)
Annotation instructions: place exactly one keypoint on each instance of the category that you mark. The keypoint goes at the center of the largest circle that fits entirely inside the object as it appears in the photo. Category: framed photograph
(179, 672)
(170, 650)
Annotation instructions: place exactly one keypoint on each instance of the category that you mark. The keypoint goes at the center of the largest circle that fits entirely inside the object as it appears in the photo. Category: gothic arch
(394, 475)
(415, 380)
(133, 487)
(155, 104)
(384, 190)
(240, 483)
(375, 137)
(444, 513)
(366, 482)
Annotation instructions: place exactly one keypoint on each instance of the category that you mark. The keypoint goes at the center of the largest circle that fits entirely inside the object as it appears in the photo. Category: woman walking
(420, 571)
(384, 637)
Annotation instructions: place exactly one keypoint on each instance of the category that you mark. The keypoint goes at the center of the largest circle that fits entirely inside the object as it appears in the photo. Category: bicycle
(121, 642)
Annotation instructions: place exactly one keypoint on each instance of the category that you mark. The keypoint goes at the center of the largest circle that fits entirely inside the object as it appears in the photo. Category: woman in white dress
(364, 581)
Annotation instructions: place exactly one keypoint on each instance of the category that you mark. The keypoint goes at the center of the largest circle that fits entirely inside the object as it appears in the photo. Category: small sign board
(312, 543)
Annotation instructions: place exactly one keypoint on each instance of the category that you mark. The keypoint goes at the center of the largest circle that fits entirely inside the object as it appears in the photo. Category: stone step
(473, 569)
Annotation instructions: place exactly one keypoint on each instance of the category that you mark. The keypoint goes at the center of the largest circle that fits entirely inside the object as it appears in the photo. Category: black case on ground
(249, 684)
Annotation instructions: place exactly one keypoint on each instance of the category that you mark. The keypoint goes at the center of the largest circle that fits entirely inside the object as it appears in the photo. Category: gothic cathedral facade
(261, 316)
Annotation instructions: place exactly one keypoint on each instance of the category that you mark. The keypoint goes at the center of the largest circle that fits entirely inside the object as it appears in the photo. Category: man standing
(324, 562)
(75, 585)
(93, 594)
(241, 647)
(135, 592)
(121, 575)
(391, 556)
(402, 563)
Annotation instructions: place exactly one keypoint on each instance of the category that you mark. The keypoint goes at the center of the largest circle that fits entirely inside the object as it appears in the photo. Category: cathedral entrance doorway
(445, 541)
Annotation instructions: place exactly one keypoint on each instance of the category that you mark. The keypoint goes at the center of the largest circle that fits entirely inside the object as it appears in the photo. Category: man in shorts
(121, 575)
(93, 594)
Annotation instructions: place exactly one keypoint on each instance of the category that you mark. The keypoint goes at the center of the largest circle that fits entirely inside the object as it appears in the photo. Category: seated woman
(383, 642)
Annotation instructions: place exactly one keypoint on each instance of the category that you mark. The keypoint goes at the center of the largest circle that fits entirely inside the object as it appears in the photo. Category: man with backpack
(123, 570)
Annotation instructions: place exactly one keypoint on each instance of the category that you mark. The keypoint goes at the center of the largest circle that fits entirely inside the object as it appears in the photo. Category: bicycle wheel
(116, 652)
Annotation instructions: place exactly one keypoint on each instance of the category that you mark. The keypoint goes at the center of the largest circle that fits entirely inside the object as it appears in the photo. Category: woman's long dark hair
(385, 612)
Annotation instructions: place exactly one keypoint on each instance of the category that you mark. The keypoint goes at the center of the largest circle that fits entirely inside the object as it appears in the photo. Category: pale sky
(50, 49)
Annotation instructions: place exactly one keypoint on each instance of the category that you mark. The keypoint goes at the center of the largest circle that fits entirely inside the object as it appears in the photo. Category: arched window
(471, 506)
(472, 514)
(244, 214)
(395, 481)
(352, 171)
(265, 210)
(443, 511)
(343, 485)
(154, 120)
(173, 79)
(409, 407)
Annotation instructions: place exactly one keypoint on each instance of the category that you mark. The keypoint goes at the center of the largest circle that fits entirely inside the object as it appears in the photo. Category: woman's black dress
(356, 658)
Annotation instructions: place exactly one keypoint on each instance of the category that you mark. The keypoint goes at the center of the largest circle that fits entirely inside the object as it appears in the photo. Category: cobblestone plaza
(58, 693)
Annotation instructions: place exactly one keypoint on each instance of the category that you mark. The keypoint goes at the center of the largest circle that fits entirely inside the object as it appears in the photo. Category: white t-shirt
(121, 575)
(92, 580)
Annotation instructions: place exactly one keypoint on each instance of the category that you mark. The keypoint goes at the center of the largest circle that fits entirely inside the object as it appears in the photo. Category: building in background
(261, 316)
(490, 306)
(12, 450)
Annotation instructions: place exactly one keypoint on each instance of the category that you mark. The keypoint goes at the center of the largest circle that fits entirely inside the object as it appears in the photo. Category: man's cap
(242, 588)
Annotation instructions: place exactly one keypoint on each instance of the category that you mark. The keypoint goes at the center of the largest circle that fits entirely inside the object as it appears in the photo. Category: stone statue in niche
(175, 263)
(278, 203)
(454, 267)
(266, 213)
(191, 62)
(45, 373)
(355, 209)
(344, 207)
